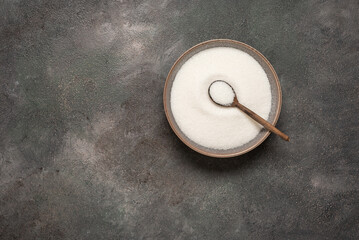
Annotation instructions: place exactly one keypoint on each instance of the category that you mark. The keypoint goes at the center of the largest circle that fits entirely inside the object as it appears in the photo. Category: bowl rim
(219, 155)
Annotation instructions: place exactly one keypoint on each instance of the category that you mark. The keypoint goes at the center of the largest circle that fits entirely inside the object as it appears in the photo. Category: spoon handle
(260, 120)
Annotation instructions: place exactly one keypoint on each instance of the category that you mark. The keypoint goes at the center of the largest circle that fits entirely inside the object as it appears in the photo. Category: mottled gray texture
(86, 151)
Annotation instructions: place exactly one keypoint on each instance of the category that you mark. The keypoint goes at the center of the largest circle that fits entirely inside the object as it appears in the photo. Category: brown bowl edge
(260, 140)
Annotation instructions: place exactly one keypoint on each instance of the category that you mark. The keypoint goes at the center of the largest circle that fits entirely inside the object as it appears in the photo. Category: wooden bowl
(273, 81)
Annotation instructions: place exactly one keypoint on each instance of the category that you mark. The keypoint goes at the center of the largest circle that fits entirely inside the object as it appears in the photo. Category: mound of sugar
(203, 121)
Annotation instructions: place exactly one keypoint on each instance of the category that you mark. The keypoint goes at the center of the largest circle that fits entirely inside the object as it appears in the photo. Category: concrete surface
(86, 151)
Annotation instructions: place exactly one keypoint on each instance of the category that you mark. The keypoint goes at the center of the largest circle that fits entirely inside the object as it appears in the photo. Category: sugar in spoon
(224, 95)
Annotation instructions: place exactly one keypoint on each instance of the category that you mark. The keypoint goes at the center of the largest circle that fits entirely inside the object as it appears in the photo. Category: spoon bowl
(228, 94)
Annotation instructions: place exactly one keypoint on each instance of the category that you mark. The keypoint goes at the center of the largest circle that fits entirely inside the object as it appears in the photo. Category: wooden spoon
(225, 96)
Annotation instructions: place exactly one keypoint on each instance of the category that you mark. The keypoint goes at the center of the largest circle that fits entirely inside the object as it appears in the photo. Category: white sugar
(203, 121)
(221, 93)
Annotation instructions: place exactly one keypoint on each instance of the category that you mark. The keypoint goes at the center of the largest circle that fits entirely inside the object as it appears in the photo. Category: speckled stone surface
(86, 151)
